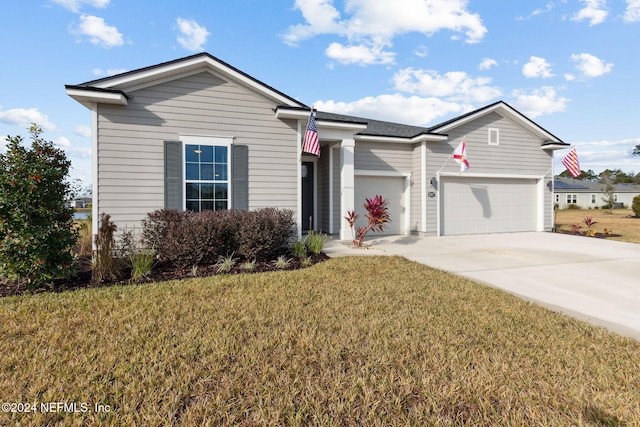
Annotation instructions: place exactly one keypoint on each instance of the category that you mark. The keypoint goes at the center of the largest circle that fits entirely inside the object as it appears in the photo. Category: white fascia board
(283, 113)
(203, 63)
(354, 127)
(554, 147)
(88, 97)
(488, 175)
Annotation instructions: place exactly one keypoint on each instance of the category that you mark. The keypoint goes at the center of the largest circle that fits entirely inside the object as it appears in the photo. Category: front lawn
(350, 341)
(620, 222)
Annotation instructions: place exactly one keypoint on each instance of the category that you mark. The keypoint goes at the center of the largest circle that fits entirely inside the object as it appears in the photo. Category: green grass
(352, 341)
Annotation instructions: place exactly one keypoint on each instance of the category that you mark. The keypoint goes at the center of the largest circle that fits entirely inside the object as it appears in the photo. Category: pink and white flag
(460, 156)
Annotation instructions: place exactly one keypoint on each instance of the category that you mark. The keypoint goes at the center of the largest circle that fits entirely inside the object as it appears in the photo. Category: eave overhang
(89, 96)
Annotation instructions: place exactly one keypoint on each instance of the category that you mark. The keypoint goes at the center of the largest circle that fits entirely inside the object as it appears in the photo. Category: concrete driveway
(592, 279)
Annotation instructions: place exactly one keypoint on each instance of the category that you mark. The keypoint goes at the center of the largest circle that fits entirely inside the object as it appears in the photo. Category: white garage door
(487, 205)
(392, 189)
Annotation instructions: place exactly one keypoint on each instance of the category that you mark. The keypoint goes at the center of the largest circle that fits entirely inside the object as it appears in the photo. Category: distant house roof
(570, 185)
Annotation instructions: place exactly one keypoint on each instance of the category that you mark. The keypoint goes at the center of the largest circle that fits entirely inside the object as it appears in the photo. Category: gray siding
(518, 153)
(130, 143)
(380, 156)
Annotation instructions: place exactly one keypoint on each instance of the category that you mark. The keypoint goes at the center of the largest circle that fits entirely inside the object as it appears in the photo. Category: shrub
(186, 239)
(635, 205)
(316, 241)
(36, 227)
(105, 266)
(264, 233)
(573, 206)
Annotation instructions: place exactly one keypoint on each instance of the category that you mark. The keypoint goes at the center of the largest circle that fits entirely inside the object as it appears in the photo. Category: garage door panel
(392, 189)
(487, 205)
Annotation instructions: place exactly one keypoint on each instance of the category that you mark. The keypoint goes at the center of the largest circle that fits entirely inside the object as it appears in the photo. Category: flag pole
(464, 139)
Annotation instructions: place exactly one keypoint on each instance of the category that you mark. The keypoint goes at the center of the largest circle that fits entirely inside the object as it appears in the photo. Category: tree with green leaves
(636, 150)
(608, 190)
(588, 175)
(36, 226)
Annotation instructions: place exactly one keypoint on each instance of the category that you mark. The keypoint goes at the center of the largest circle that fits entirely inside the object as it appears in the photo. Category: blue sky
(570, 65)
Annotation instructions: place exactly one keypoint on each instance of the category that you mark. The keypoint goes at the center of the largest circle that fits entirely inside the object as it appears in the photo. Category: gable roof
(113, 90)
(505, 110)
(107, 89)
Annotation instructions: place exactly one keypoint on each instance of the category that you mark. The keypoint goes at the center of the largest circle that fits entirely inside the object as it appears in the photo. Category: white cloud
(98, 31)
(396, 108)
(83, 130)
(75, 5)
(594, 11)
(454, 85)
(540, 101)
(359, 54)
(590, 65)
(537, 67)
(62, 142)
(109, 72)
(23, 117)
(487, 63)
(193, 36)
(569, 77)
(374, 23)
(632, 13)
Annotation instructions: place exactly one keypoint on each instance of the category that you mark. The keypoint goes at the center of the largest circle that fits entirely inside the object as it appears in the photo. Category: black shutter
(173, 175)
(240, 177)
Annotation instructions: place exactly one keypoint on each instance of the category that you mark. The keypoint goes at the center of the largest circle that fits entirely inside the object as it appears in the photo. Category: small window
(494, 136)
(593, 199)
(615, 197)
(572, 199)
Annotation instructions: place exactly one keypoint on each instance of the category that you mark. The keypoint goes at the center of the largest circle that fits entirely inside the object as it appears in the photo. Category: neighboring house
(80, 202)
(588, 195)
(197, 133)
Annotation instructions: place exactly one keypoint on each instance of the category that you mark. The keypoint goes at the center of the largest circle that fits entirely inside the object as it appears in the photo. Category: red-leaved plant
(377, 216)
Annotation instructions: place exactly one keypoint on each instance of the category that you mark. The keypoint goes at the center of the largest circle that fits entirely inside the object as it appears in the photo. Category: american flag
(311, 143)
(570, 161)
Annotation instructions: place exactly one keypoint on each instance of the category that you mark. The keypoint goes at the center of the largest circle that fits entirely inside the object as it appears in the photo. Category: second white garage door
(392, 189)
(487, 205)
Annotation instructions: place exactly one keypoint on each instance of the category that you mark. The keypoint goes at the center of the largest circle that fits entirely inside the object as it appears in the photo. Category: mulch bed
(597, 235)
(160, 273)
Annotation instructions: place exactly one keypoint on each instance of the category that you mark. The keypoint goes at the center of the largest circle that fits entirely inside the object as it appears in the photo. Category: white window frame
(207, 141)
(594, 199)
(572, 199)
(496, 140)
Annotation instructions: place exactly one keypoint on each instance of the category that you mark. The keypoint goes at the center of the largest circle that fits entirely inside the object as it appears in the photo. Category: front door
(307, 196)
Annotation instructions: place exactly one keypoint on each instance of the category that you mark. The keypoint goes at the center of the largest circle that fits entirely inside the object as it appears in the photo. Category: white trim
(88, 97)
(195, 64)
(299, 180)
(400, 140)
(311, 159)
(347, 184)
(212, 141)
(325, 124)
(488, 175)
(497, 133)
(95, 188)
(540, 214)
(423, 189)
(331, 152)
(363, 172)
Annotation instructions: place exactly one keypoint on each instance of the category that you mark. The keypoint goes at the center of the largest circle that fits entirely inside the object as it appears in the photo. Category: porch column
(347, 194)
